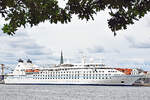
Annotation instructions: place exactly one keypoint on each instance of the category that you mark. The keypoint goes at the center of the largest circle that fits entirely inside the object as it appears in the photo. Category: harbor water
(73, 92)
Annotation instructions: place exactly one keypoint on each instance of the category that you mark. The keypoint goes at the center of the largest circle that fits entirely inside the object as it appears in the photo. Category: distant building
(61, 58)
(1, 79)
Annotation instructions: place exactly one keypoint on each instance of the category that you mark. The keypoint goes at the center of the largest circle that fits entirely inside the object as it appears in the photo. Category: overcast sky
(92, 39)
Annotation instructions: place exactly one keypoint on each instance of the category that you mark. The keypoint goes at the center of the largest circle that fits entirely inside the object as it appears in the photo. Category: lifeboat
(36, 70)
(29, 70)
(127, 71)
(145, 72)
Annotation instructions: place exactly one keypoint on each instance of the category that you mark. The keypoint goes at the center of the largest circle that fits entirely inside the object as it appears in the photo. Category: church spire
(61, 58)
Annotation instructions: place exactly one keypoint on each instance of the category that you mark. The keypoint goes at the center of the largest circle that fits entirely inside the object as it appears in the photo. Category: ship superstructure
(84, 74)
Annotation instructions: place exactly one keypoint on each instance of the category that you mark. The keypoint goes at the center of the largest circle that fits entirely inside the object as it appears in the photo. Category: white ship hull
(116, 80)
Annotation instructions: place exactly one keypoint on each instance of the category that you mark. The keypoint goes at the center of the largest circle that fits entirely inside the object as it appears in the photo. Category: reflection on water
(72, 92)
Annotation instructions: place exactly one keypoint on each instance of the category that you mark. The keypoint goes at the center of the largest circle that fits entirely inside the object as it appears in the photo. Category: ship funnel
(20, 61)
(29, 61)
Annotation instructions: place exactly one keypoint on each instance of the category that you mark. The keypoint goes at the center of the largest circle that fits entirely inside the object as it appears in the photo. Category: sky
(93, 39)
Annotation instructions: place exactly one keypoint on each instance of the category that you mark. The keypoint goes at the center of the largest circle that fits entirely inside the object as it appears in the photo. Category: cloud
(96, 49)
(138, 44)
(142, 45)
(132, 61)
(130, 39)
(35, 52)
(116, 51)
(148, 21)
(22, 46)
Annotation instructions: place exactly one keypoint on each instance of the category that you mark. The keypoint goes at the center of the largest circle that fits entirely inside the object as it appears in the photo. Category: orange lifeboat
(127, 71)
(29, 70)
(36, 70)
(145, 72)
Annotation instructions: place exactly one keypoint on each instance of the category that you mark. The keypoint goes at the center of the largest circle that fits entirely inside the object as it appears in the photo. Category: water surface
(73, 92)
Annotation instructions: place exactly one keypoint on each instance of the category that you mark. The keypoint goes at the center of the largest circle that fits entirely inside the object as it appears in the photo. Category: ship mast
(83, 60)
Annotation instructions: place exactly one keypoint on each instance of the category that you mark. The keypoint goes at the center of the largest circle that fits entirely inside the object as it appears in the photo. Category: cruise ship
(72, 74)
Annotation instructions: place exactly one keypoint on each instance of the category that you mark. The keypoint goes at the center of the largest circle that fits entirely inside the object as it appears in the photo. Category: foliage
(32, 12)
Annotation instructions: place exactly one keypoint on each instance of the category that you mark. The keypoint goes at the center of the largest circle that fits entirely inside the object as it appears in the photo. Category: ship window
(89, 76)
